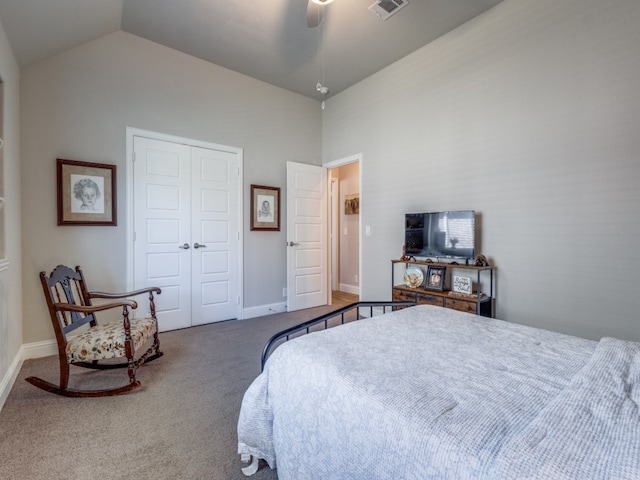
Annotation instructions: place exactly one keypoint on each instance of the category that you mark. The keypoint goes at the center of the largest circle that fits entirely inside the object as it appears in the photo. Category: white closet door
(215, 269)
(187, 231)
(162, 197)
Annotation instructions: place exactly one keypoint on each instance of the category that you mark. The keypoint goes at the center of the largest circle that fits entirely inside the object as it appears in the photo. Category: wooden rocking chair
(70, 307)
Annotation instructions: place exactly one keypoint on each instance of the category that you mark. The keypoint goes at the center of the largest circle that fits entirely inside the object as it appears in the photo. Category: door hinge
(134, 236)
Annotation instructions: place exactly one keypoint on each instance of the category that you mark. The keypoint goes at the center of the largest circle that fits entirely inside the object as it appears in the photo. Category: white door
(215, 236)
(186, 230)
(307, 238)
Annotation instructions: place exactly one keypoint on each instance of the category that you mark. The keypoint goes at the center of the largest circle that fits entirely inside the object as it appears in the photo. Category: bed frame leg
(251, 468)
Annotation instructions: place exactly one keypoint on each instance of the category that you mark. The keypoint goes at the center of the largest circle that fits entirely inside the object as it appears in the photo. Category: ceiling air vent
(387, 8)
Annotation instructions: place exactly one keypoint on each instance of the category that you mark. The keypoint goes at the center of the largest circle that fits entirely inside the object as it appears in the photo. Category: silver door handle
(185, 246)
(198, 245)
(293, 244)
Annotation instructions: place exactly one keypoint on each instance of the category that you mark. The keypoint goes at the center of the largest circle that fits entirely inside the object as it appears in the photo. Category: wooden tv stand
(478, 302)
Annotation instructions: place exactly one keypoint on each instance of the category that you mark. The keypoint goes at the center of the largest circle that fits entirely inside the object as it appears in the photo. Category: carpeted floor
(181, 424)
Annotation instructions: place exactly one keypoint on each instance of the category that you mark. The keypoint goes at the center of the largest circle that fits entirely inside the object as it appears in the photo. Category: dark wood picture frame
(265, 208)
(435, 278)
(86, 193)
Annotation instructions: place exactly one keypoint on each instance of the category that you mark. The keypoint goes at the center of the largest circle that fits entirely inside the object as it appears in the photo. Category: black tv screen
(440, 234)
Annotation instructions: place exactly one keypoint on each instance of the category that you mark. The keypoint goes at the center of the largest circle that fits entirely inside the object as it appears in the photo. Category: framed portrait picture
(435, 278)
(86, 193)
(265, 208)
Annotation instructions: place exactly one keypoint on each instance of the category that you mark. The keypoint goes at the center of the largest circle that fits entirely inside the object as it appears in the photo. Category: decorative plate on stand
(413, 277)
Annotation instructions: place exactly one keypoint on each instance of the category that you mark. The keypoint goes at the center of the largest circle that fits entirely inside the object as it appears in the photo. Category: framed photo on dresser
(435, 277)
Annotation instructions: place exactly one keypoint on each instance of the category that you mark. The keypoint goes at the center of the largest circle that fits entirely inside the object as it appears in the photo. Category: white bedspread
(589, 430)
(431, 393)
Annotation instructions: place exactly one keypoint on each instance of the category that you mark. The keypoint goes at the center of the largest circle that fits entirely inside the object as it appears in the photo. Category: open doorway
(344, 178)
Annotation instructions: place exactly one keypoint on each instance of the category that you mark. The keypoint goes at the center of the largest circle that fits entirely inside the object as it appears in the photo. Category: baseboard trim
(353, 289)
(27, 351)
(46, 348)
(263, 310)
(10, 377)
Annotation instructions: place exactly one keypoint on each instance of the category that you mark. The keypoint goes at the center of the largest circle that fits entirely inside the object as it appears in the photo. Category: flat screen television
(440, 234)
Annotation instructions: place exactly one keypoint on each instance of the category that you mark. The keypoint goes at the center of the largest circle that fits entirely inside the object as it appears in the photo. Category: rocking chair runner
(70, 307)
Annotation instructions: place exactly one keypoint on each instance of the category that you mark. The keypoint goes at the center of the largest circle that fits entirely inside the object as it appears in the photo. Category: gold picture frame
(86, 193)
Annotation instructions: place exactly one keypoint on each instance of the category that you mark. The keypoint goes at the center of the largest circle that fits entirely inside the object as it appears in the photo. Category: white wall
(77, 106)
(529, 114)
(11, 277)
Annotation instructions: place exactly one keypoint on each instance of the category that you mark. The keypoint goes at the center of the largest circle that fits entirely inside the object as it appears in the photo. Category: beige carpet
(181, 424)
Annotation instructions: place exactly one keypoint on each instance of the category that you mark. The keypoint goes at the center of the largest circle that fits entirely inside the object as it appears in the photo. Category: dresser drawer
(403, 295)
(426, 299)
(463, 306)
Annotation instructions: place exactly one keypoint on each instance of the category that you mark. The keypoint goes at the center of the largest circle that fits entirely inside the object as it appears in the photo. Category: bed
(431, 393)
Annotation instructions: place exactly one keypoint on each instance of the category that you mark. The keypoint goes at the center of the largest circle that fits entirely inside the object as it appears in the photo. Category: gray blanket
(589, 430)
(430, 393)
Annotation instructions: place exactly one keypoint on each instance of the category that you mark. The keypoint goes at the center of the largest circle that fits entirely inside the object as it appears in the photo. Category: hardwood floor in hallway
(340, 299)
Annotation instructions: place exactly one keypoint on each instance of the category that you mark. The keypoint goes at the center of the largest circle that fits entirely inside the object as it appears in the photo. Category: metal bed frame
(341, 312)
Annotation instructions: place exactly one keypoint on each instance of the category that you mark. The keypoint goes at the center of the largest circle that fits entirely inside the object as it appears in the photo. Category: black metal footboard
(285, 335)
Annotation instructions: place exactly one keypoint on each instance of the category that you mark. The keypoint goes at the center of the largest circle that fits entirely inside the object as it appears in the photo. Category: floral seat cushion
(107, 340)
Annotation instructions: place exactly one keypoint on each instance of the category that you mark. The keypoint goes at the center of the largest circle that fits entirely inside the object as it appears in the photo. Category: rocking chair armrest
(69, 307)
(126, 294)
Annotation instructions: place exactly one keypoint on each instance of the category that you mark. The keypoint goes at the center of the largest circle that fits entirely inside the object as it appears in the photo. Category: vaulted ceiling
(265, 39)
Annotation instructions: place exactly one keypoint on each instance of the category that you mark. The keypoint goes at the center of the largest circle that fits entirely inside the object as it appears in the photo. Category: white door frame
(334, 234)
(339, 163)
(129, 227)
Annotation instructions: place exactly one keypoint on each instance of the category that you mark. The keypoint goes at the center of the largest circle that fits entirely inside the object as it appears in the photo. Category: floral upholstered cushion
(107, 340)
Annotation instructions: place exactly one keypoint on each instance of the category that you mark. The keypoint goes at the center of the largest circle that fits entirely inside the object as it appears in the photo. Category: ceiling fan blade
(314, 14)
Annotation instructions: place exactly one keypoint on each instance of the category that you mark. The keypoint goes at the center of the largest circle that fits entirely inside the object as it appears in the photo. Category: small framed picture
(86, 193)
(352, 204)
(265, 208)
(462, 285)
(435, 278)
